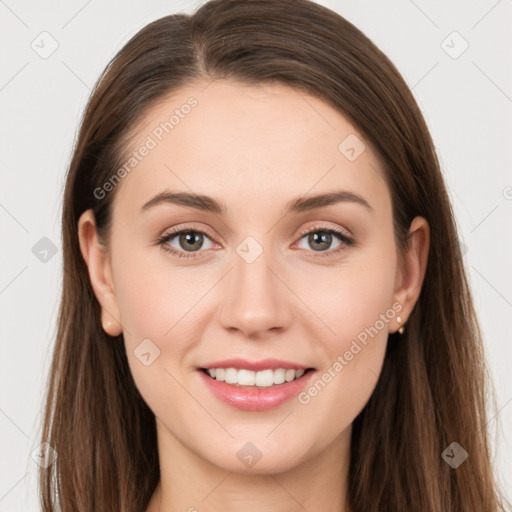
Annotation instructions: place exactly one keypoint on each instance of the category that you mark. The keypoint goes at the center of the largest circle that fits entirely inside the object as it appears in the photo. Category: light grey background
(467, 102)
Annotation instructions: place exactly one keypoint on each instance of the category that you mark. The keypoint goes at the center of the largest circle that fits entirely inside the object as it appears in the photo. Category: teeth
(246, 378)
(279, 375)
(263, 378)
(231, 376)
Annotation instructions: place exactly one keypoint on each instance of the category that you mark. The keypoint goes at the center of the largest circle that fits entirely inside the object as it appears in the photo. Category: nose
(256, 298)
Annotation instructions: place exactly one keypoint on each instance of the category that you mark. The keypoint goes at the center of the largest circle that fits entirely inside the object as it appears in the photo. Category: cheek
(353, 356)
(155, 308)
(355, 308)
(350, 299)
(164, 304)
(152, 295)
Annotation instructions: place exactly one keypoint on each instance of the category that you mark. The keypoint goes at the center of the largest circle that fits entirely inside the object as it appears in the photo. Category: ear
(97, 258)
(410, 274)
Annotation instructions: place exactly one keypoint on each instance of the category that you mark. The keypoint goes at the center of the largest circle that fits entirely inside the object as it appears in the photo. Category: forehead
(267, 142)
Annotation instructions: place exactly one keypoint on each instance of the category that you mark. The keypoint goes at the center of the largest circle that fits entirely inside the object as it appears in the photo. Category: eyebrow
(209, 204)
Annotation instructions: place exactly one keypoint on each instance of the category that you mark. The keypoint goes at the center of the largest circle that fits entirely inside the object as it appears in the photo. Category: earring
(401, 329)
(106, 325)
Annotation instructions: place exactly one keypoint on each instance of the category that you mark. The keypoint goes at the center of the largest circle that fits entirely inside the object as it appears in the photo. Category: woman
(261, 277)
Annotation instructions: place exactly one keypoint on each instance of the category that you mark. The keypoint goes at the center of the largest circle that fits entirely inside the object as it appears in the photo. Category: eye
(320, 238)
(188, 240)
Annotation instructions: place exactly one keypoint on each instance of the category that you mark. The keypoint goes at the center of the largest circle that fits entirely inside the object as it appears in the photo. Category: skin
(254, 148)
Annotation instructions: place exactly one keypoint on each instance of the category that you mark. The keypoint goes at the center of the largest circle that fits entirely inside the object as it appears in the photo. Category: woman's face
(248, 282)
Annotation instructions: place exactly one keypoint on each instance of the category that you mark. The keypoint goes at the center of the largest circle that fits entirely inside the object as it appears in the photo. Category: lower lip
(253, 398)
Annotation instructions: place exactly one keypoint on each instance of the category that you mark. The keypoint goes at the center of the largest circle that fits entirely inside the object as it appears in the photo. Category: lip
(264, 364)
(251, 398)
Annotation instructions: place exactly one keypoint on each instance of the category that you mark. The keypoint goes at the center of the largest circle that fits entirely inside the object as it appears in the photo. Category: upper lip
(264, 364)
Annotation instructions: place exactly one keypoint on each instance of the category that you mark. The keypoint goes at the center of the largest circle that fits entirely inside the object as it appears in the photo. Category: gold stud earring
(401, 329)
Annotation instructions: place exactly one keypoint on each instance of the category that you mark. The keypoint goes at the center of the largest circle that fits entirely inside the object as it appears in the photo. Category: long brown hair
(434, 384)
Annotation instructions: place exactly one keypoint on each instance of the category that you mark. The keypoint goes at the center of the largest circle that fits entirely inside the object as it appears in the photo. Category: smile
(255, 390)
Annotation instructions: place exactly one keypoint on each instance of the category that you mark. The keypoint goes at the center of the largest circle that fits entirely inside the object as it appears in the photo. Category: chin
(259, 456)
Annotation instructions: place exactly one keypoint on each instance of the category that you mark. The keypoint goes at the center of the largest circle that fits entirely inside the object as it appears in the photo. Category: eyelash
(346, 241)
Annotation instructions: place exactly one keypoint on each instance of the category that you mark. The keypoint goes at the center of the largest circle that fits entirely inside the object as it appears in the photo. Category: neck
(192, 484)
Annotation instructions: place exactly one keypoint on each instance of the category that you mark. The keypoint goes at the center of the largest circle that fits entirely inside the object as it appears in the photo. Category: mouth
(255, 390)
(262, 379)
